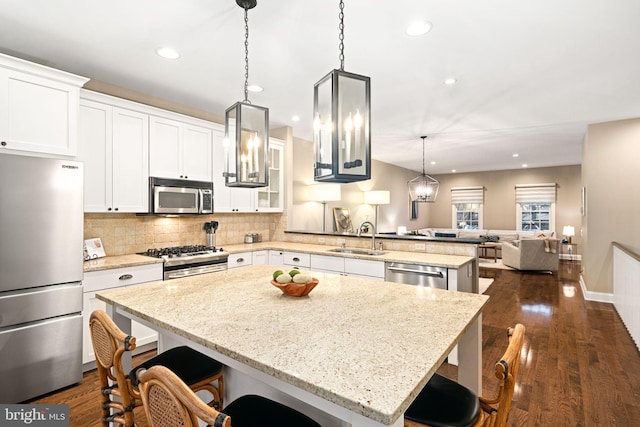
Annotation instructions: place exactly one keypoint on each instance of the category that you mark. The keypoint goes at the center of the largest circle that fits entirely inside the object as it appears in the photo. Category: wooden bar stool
(168, 402)
(119, 391)
(446, 403)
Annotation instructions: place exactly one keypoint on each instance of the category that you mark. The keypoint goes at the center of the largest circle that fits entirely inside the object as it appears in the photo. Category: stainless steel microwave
(179, 196)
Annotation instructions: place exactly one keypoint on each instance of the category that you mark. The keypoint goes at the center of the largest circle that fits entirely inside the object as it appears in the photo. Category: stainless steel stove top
(189, 255)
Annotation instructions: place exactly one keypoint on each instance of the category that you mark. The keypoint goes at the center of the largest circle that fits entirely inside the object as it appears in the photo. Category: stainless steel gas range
(183, 261)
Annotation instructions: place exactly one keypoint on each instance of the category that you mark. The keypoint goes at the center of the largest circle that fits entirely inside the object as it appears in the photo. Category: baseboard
(595, 296)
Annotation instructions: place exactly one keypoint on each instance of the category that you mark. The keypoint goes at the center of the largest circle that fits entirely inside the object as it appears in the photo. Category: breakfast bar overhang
(354, 352)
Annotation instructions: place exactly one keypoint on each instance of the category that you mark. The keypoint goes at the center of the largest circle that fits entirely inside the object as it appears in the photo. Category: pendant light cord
(341, 27)
(246, 56)
(423, 138)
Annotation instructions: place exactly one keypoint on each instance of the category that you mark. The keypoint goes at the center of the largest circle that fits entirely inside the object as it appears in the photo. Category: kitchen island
(353, 352)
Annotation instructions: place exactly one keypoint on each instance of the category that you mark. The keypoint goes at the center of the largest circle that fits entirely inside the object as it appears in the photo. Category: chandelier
(423, 188)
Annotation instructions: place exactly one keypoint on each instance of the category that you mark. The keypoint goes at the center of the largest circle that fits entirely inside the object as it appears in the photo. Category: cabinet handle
(240, 260)
(3, 143)
(126, 277)
(296, 259)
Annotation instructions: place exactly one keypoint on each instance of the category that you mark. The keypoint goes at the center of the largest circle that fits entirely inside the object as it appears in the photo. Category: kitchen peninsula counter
(421, 258)
(356, 349)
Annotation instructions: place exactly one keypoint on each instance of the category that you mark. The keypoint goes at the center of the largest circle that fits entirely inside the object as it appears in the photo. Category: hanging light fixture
(423, 188)
(341, 124)
(246, 128)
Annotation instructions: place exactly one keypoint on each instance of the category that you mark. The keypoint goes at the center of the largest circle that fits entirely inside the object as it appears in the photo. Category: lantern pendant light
(246, 129)
(423, 188)
(341, 123)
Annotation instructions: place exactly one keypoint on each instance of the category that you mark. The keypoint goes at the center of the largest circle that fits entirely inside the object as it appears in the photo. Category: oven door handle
(176, 274)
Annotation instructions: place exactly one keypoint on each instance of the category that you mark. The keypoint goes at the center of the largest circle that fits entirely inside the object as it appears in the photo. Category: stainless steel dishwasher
(415, 274)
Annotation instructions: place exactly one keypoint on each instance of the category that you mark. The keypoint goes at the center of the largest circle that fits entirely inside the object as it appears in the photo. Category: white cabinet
(260, 257)
(271, 198)
(240, 259)
(96, 281)
(237, 199)
(276, 257)
(364, 268)
(38, 108)
(114, 146)
(327, 264)
(179, 150)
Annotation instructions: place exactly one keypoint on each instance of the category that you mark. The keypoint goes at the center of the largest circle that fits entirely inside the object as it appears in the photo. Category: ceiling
(530, 75)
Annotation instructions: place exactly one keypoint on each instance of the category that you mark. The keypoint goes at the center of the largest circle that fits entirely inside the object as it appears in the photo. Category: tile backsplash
(123, 234)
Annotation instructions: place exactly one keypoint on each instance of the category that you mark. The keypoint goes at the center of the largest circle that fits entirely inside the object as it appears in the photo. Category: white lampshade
(568, 230)
(324, 193)
(380, 197)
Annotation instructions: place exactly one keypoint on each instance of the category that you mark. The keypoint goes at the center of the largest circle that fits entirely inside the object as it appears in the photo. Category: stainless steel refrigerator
(41, 223)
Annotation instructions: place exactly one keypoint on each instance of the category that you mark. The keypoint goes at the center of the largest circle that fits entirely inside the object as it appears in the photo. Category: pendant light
(423, 188)
(341, 123)
(246, 129)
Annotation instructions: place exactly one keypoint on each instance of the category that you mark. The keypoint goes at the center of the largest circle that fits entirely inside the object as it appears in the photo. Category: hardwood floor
(579, 364)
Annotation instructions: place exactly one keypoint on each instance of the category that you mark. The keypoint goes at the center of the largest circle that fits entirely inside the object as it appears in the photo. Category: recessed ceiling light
(450, 81)
(433, 163)
(167, 52)
(419, 28)
(295, 118)
(453, 170)
(255, 88)
(525, 165)
(516, 155)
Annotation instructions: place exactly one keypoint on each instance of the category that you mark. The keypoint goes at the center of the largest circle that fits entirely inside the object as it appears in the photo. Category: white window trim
(552, 217)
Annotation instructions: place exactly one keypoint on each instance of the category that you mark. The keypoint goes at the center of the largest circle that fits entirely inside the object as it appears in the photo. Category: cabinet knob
(116, 209)
(109, 209)
(126, 277)
(3, 143)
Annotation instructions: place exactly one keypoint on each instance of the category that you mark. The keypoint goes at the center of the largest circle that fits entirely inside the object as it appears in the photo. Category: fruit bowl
(296, 289)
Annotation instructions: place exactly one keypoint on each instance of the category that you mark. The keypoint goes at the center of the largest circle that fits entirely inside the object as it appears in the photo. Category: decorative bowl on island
(296, 289)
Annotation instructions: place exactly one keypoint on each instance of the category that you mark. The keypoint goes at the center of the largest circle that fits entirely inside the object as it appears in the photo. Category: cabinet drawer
(333, 264)
(364, 267)
(241, 259)
(117, 277)
(296, 259)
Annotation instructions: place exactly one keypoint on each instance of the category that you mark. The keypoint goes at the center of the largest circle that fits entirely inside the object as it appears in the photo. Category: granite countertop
(369, 346)
(119, 261)
(421, 258)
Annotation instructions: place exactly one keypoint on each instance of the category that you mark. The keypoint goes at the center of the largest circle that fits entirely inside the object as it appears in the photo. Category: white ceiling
(531, 74)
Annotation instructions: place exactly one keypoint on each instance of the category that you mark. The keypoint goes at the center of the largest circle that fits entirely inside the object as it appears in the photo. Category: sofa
(539, 254)
(494, 236)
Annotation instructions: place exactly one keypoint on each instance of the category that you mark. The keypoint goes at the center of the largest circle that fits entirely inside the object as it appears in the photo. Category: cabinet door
(196, 153)
(228, 199)
(260, 257)
(89, 304)
(276, 257)
(364, 268)
(330, 264)
(270, 198)
(94, 150)
(37, 114)
(164, 147)
(240, 259)
(130, 161)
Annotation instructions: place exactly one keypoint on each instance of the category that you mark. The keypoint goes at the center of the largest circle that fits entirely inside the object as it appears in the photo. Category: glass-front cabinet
(270, 198)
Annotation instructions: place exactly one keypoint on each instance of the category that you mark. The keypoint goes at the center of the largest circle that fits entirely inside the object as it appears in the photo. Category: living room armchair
(531, 254)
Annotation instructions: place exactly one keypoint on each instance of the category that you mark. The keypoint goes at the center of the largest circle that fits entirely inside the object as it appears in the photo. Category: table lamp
(377, 198)
(324, 193)
(569, 232)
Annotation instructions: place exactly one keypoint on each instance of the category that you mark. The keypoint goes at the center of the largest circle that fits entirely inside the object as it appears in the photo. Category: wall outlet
(341, 241)
(321, 240)
(420, 247)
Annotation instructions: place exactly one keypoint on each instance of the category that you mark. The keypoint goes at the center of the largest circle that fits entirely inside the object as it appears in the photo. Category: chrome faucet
(373, 233)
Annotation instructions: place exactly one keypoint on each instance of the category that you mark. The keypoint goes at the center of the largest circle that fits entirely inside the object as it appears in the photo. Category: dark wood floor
(579, 365)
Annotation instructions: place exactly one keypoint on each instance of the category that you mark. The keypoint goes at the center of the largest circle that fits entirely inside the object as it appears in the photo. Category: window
(466, 207)
(535, 207)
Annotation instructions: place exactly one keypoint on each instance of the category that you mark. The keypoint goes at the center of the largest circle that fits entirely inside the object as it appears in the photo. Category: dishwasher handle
(421, 272)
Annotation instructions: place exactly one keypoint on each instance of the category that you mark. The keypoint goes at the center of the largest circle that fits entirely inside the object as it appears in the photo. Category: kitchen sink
(356, 251)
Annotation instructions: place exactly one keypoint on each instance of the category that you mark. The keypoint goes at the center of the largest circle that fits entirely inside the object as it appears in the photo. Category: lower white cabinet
(364, 268)
(240, 259)
(276, 257)
(96, 281)
(260, 257)
(296, 259)
(327, 264)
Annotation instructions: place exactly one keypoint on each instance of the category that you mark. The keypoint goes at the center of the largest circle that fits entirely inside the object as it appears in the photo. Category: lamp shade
(568, 230)
(324, 193)
(379, 197)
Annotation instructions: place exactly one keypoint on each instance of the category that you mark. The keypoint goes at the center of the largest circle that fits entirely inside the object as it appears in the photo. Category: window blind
(531, 193)
(467, 195)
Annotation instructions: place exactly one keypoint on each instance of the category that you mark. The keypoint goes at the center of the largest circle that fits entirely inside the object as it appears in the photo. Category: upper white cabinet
(114, 146)
(237, 199)
(179, 150)
(38, 108)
